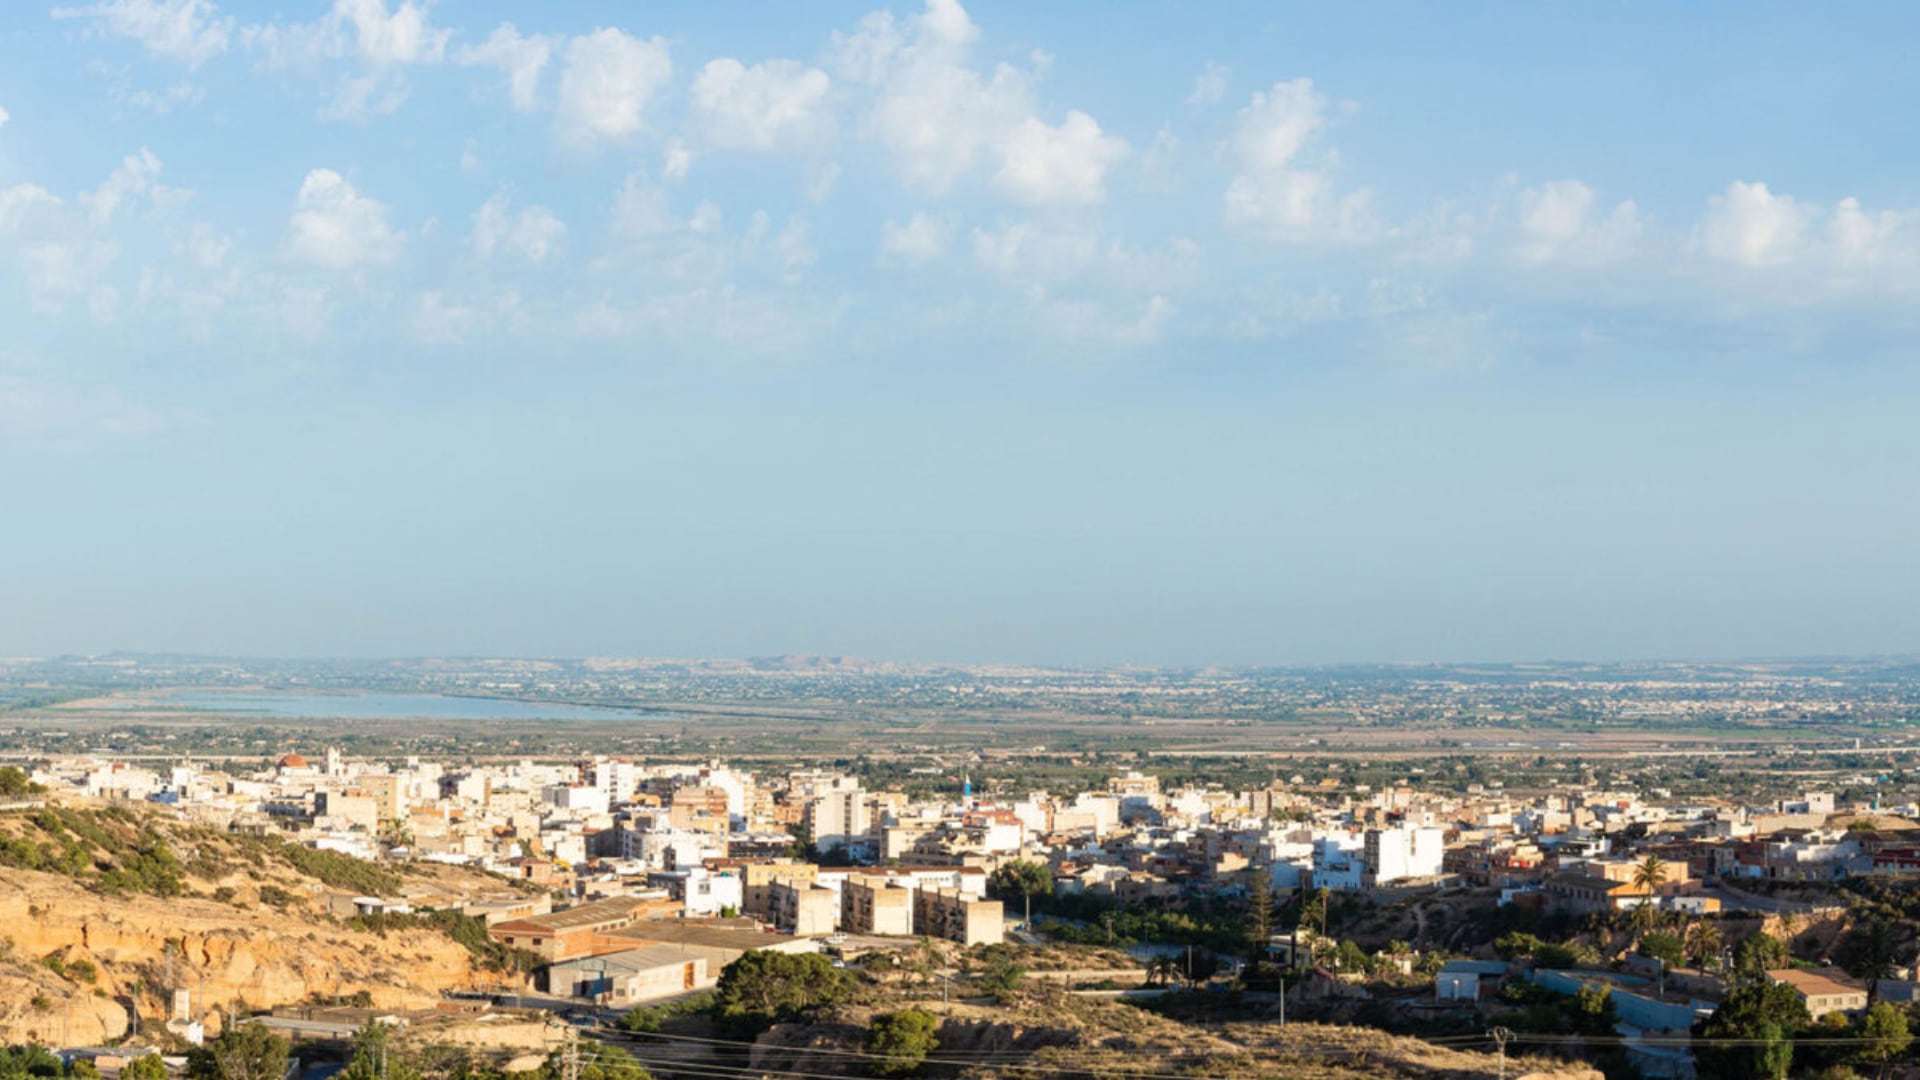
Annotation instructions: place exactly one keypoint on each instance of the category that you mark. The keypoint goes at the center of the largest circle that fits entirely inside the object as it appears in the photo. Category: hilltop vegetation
(116, 849)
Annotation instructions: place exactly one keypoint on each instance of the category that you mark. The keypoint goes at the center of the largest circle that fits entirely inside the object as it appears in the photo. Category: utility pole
(1500, 1037)
(1283, 987)
(570, 1055)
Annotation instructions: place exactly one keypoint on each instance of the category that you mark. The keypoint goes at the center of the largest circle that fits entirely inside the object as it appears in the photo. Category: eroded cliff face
(141, 948)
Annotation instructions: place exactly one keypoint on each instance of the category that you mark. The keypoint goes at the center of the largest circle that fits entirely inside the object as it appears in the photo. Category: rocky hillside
(105, 910)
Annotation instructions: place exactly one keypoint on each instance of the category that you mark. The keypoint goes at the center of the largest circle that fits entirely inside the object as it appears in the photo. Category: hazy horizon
(1049, 335)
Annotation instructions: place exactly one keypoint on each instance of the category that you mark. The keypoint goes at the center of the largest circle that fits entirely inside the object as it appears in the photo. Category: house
(631, 977)
(569, 932)
(1824, 990)
(1468, 980)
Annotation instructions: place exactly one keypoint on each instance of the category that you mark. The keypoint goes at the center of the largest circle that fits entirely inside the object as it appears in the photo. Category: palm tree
(1868, 952)
(1647, 879)
(1703, 944)
(1163, 969)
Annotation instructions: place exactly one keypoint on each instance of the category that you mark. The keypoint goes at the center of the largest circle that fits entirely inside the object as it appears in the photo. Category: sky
(1053, 333)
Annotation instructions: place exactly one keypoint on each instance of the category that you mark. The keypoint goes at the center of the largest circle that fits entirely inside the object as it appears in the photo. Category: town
(1419, 906)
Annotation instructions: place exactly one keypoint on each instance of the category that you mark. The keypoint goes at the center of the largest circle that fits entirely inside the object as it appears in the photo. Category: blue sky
(1056, 333)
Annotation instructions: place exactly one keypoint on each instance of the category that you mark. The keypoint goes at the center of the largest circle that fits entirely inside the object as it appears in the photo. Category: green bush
(469, 931)
(762, 988)
(899, 1043)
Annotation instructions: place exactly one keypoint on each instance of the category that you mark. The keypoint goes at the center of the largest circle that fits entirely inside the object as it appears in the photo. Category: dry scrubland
(1042, 1032)
(113, 922)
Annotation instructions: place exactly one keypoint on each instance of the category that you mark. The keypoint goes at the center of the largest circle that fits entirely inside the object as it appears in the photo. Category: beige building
(387, 792)
(1825, 990)
(757, 879)
(804, 908)
(631, 977)
(873, 904)
(954, 915)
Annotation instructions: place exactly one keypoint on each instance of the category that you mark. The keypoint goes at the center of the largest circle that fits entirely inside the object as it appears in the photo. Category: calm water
(309, 706)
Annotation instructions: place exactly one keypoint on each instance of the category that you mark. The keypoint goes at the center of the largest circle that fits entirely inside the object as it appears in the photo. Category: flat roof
(1825, 982)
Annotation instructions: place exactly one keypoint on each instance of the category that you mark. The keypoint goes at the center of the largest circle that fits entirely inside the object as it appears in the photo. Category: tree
(1162, 970)
(1020, 879)
(1748, 1036)
(397, 832)
(20, 1062)
(374, 1058)
(15, 784)
(598, 1061)
(1557, 957)
(763, 988)
(1648, 876)
(1758, 954)
(1772, 1053)
(1318, 909)
(1594, 1008)
(1867, 951)
(1002, 976)
(1704, 943)
(145, 1067)
(242, 1052)
(1884, 1035)
(1350, 957)
(1259, 925)
(900, 1042)
(1665, 948)
(1515, 943)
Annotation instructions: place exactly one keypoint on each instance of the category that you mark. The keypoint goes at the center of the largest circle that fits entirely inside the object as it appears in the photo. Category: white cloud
(1210, 86)
(4, 117)
(67, 250)
(921, 239)
(1749, 225)
(1559, 222)
(640, 210)
(533, 234)
(1146, 329)
(1025, 254)
(1274, 191)
(336, 227)
(677, 160)
(609, 80)
(361, 30)
(932, 111)
(380, 43)
(159, 102)
(208, 249)
(20, 202)
(777, 105)
(787, 253)
(1068, 164)
(522, 57)
(133, 178)
(60, 270)
(1160, 163)
(403, 36)
(184, 31)
(1864, 240)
